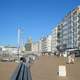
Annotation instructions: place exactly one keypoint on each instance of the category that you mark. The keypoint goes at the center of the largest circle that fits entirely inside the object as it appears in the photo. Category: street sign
(62, 71)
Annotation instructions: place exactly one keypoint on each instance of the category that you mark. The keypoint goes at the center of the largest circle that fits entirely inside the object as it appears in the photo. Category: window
(79, 15)
(78, 26)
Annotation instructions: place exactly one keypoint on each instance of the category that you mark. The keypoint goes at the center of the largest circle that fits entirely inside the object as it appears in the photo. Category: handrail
(22, 72)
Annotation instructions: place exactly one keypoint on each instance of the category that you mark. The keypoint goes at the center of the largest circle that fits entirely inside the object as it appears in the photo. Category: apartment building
(49, 38)
(69, 30)
(46, 44)
(35, 46)
(40, 46)
(54, 40)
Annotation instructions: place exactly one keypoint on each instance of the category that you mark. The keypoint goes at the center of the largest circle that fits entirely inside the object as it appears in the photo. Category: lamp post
(19, 31)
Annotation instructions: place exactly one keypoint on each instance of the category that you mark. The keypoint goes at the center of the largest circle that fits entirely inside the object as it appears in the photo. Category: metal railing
(22, 72)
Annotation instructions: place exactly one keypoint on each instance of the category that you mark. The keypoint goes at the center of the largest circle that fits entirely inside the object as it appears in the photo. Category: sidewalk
(43, 69)
(47, 66)
(6, 70)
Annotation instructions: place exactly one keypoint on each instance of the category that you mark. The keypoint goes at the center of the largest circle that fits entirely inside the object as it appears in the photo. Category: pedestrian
(22, 59)
(71, 58)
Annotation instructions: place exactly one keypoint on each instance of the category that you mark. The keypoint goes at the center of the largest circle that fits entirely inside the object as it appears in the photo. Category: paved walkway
(47, 66)
(44, 69)
(6, 70)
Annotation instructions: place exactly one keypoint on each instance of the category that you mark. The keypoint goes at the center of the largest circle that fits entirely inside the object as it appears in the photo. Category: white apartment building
(69, 30)
(49, 43)
(10, 50)
(40, 44)
(35, 46)
(54, 40)
(46, 44)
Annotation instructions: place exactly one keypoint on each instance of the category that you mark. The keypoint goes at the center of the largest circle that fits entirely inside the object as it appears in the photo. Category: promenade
(6, 70)
(47, 66)
(44, 69)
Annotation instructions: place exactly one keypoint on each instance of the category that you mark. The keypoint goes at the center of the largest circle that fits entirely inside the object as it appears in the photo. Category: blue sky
(35, 17)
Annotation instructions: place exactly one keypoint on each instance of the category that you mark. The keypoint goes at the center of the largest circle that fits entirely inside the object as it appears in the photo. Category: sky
(36, 18)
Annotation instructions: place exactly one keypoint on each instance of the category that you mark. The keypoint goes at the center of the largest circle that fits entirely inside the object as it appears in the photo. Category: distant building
(54, 40)
(9, 49)
(49, 43)
(40, 45)
(43, 44)
(46, 44)
(35, 47)
(28, 45)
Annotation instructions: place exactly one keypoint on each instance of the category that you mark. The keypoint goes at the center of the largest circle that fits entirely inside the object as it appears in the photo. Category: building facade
(35, 47)
(69, 30)
(40, 45)
(49, 38)
(46, 44)
(54, 40)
